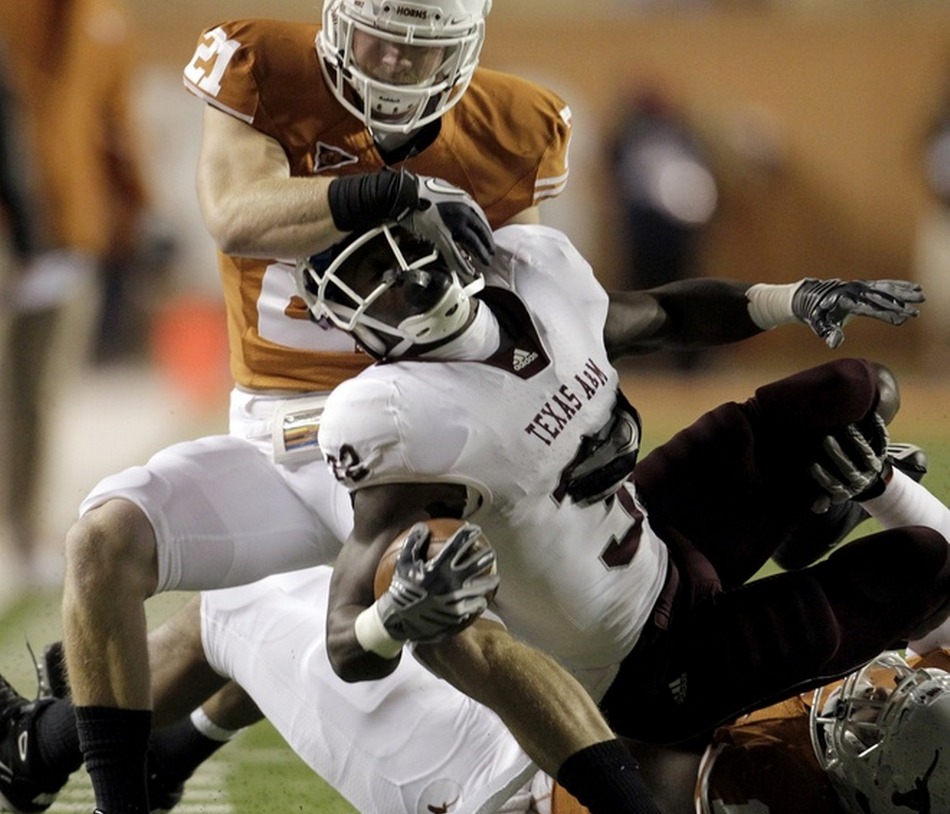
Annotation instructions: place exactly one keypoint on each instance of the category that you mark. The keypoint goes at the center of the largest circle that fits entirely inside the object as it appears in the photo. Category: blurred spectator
(932, 253)
(67, 67)
(667, 192)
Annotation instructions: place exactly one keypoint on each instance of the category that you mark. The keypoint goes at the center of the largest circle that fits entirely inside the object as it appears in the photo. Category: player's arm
(546, 709)
(254, 207)
(543, 706)
(365, 636)
(689, 313)
(250, 203)
(708, 311)
(548, 712)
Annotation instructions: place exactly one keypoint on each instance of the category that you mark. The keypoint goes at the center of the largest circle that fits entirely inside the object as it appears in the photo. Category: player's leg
(30, 778)
(412, 741)
(197, 710)
(202, 514)
(111, 569)
(736, 482)
(777, 636)
(816, 534)
(181, 677)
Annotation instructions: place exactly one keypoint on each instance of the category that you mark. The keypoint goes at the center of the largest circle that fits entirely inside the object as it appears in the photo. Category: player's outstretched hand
(855, 465)
(430, 599)
(826, 305)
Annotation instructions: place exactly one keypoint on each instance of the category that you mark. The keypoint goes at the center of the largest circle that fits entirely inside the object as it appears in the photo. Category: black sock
(177, 750)
(114, 743)
(57, 741)
(606, 778)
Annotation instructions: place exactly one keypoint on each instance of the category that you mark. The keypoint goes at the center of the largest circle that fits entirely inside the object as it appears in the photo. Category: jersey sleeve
(533, 119)
(541, 250)
(553, 168)
(359, 434)
(390, 424)
(507, 141)
(221, 70)
(234, 62)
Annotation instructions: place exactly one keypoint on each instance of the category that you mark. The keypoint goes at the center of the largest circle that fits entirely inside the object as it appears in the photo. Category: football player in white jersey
(635, 610)
(654, 324)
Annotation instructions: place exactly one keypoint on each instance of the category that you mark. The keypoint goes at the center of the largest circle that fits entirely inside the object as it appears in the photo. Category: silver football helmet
(400, 64)
(390, 289)
(883, 737)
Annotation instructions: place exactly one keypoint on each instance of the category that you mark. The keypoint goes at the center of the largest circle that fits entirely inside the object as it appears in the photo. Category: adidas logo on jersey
(678, 689)
(523, 358)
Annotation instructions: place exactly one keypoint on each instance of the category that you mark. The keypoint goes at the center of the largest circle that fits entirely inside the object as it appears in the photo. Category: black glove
(856, 466)
(826, 305)
(430, 207)
(429, 600)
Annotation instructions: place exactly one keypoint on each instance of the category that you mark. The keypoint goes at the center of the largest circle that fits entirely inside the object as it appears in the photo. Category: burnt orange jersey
(71, 65)
(765, 762)
(505, 143)
(563, 802)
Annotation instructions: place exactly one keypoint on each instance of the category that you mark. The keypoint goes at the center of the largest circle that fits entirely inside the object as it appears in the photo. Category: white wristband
(373, 636)
(904, 502)
(771, 305)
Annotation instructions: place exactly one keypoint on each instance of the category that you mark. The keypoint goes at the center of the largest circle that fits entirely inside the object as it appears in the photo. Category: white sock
(939, 637)
(209, 728)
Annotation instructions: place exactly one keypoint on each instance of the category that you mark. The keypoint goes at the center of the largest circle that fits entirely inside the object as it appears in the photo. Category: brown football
(442, 528)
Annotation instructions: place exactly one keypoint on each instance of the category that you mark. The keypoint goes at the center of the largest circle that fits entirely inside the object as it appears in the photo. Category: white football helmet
(883, 737)
(400, 64)
(390, 289)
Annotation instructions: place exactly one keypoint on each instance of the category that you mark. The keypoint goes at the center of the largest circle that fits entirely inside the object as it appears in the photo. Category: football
(442, 528)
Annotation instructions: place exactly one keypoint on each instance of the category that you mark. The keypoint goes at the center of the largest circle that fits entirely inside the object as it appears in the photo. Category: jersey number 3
(619, 552)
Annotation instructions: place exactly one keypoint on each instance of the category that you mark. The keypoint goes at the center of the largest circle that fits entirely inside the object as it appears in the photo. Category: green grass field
(258, 772)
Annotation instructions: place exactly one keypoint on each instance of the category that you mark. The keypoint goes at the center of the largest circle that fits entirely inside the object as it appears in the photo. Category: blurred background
(814, 117)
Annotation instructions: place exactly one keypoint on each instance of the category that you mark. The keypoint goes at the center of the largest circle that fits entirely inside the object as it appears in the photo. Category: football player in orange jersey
(877, 742)
(310, 131)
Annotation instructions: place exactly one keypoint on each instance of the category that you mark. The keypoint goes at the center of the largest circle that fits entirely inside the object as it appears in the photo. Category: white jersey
(578, 581)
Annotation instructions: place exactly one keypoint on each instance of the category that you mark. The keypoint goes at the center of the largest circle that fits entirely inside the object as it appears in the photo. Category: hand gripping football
(442, 528)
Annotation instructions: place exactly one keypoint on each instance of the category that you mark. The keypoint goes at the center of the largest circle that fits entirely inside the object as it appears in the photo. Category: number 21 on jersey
(210, 61)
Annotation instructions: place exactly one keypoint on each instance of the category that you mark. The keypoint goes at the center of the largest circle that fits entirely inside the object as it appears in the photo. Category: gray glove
(430, 600)
(430, 207)
(826, 305)
(446, 215)
(856, 468)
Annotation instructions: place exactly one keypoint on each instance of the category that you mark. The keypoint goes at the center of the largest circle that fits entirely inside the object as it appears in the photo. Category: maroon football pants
(723, 494)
